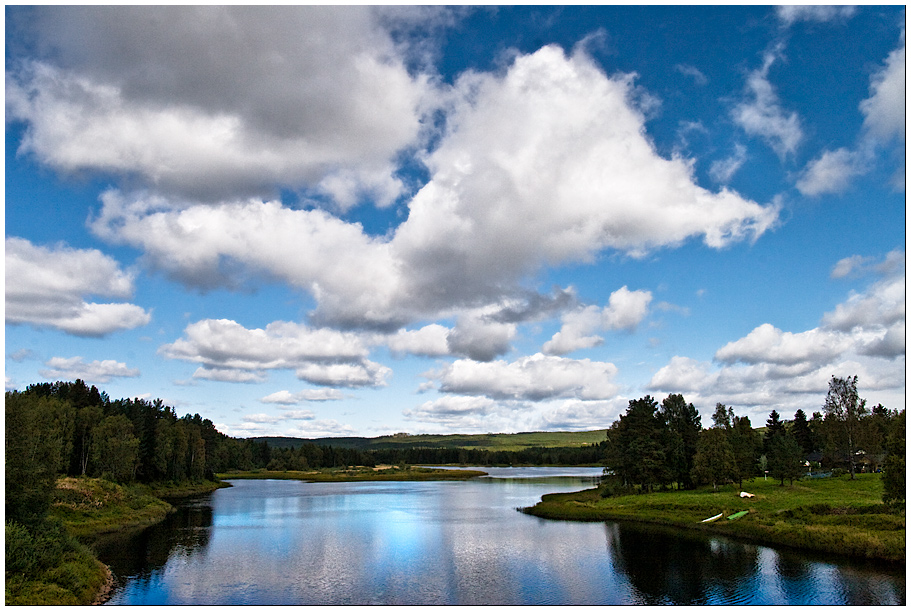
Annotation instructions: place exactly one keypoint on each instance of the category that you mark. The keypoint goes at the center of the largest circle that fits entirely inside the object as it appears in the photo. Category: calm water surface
(454, 543)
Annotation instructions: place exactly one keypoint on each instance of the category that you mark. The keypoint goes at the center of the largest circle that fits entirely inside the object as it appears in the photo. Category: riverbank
(89, 507)
(55, 565)
(830, 515)
(382, 473)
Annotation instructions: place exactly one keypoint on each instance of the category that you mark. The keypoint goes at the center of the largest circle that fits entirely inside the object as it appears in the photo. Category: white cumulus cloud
(532, 378)
(884, 110)
(214, 100)
(625, 310)
(100, 372)
(48, 287)
(774, 369)
(228, 351)
(552, 141)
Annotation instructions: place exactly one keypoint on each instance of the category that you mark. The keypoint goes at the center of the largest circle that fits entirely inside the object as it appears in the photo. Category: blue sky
(336, 221)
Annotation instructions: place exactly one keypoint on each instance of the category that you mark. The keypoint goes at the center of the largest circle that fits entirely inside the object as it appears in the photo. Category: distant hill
(488, 441)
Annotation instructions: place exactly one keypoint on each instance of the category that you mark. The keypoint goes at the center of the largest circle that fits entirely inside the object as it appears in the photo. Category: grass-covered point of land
(830, 515)
(91, 506)
(383, 473)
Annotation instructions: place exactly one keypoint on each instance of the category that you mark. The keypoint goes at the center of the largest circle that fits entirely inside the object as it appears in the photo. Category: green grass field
(832, 515)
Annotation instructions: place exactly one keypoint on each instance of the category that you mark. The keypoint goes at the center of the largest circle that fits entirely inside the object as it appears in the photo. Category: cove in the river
(455, 543)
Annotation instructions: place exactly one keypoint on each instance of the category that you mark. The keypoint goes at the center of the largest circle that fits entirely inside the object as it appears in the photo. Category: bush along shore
(52, 563)
(830, 515)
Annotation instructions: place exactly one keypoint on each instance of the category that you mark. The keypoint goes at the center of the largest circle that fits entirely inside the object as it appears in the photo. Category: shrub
(610, 487)
(21, 556)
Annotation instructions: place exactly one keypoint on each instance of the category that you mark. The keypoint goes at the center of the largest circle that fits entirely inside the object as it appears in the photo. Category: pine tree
(683, 424)
(800, 428)
(747, 446)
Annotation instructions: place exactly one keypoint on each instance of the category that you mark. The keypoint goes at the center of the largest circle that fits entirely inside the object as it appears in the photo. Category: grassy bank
(360, 474)
(48, 566)
(90, 507)
(53, 565)
(831, 515)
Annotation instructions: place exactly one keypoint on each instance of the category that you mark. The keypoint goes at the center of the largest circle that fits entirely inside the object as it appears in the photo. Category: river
(455, 543)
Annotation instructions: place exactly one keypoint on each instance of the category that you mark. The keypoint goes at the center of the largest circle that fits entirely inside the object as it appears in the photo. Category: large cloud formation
(544, 164)
(211, 101)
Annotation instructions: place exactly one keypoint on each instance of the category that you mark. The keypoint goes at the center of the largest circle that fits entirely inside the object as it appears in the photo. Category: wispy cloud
(761, 113)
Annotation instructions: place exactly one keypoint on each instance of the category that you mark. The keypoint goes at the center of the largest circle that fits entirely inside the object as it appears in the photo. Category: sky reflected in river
(452, 543)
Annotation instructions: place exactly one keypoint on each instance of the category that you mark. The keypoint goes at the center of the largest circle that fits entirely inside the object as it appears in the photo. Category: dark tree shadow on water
(670, 567)
(139, 554)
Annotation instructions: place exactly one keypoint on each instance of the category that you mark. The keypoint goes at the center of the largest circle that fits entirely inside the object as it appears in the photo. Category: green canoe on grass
(738, 515)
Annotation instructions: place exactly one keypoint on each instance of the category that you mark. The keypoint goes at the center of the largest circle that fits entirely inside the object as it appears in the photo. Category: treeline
(69, 428)
(314, 456)
(664, 446)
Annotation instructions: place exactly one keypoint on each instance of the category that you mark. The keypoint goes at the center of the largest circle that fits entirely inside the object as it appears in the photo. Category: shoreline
(86, 521)
(847, 526)
(107, 587)
(382, 473)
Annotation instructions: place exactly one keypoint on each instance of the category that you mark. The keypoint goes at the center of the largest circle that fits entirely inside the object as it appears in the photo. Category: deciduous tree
(116, 448)
(784, 458)
(845, 409)
(34, 444)
(714, 461)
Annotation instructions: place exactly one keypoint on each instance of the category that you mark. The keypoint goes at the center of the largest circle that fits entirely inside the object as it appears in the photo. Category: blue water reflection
(453, 543)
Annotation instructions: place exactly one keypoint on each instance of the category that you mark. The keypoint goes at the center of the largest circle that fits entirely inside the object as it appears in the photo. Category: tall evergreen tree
(746, 445)
(800, 428)
(638, 445)
(683, 424)
(774, 426)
